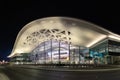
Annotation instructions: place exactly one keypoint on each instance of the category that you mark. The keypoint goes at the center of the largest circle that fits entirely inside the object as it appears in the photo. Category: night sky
(15, 14)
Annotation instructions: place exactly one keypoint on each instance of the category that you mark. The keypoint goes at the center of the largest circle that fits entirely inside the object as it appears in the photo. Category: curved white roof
(76, 31)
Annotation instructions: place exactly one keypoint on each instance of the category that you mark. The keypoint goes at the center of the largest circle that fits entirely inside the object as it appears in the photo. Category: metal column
(44, 54)
(69, 52)
(59, 53)
(79, 54)
(51, 50)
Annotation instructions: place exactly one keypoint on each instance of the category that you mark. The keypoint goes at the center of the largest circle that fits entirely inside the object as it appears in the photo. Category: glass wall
(114, 46)
(23, 58)
(54, 51)
(62, 52)
(114, 51)
(99, 53)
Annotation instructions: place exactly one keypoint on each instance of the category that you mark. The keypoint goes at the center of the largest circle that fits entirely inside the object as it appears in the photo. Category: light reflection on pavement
(3, 77)
(20, 73)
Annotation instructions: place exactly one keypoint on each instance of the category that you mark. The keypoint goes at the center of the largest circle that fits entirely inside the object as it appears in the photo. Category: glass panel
(55, 51)
(64, 52)
(99, 53)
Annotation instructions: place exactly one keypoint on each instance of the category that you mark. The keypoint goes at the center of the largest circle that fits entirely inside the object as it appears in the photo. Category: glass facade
(63, 52)
(106, 52)
(114, 51)
(54, 51)
(99, 53)
(23, 58)
(114, 47)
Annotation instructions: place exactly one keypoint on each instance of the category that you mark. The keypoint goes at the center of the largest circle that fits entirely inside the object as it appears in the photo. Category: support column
(51, 50)
(69, 52)
(112, 60)
(79, 54)
(59, 53)
(89, 56)
(44, 54)
(106, 59)
(74, 56)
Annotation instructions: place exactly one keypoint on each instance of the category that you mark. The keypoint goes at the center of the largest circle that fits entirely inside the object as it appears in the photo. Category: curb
(38, 68)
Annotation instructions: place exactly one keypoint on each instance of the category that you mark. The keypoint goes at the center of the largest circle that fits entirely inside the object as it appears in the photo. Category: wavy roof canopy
(76, 31)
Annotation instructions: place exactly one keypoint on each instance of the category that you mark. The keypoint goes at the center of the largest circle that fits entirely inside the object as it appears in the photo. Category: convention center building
(64, 40)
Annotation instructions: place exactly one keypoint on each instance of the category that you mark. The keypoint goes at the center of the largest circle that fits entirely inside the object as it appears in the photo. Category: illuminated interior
(58, 51)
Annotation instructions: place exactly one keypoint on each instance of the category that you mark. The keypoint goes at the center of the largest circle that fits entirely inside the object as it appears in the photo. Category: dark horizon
(16, 14)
